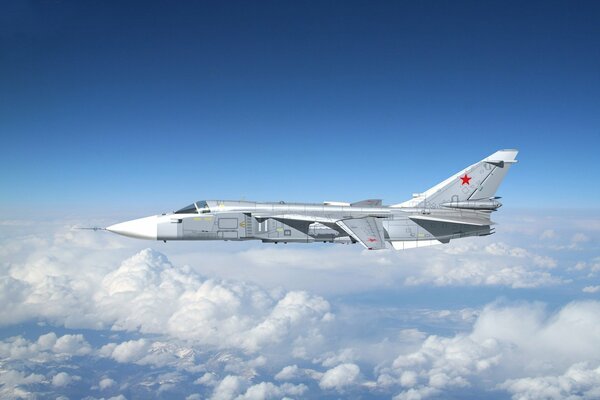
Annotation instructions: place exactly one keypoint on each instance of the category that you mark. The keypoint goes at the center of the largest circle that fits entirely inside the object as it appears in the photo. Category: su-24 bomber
(458, 207)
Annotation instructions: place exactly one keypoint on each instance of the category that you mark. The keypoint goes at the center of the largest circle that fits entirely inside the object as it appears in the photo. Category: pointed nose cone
(142, 228)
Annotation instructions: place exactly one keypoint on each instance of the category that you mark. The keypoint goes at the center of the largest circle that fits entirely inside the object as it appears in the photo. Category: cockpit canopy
(199, 207)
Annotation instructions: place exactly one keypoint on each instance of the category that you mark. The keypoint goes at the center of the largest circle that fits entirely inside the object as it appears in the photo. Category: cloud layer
(106, 317)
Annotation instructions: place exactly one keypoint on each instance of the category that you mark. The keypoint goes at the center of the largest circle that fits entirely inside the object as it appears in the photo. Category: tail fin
(476, 182)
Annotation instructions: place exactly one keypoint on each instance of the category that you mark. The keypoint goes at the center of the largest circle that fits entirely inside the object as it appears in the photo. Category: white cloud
(340, 377)
(580, 238)
(13, 300)
(229, 335)
(470, 264)
(13, 383)
(63, 379)
(503, 249)
(296, 309)
(578, 382)
(506, 342)
(548, 234)
(592, 267)
(47, 341)
(68, 278)
(71, 345)
(591, 289)
(331, 359)
(268, 390)
(149, 294)
(118, 397)
(127, 352)
(417, 394)
(288, 373)
(106, 383)
(481, 272)
(228, 388)
(208, 379)
(47, 347)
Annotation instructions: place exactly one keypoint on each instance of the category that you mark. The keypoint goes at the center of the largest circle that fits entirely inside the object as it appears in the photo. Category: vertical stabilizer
(479, 181)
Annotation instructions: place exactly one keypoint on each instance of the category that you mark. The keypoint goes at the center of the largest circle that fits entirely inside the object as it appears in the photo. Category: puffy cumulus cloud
(507, 343)
(417, 394)
(149, 294)
(208, 379)
(229, 338)
(106, 383)
(47, 347)
(175, 362)
(154, 353)
(126, 352)
(592, 267)
(68, 278)
(13, 384)
(295, 310)
(472, 263)
(591, 289)
(146, 293)
(239, 388)
(331, 358)
(13, 299)
(503, 249)
(63, 379)
(228, 388)
(548, 234)
(580, 238)
(340, 377)
(51, 272)
(480, 263)
(288, 373)
(540, 337)
(481, 272)
(578, 382)
(73, 345)
(268, 390)
(444, 363)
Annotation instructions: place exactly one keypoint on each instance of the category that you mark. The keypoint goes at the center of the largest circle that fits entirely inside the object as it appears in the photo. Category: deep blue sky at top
(155, 104)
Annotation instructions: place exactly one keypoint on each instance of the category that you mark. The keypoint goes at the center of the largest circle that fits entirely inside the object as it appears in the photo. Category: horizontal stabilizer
(462, 220)
(367, 231)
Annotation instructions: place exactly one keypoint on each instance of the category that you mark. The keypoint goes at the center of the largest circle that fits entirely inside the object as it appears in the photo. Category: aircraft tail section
(473, 188)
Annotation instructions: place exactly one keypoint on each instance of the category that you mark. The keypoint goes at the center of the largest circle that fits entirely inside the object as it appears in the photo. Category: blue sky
(116, 111)
(156, 105)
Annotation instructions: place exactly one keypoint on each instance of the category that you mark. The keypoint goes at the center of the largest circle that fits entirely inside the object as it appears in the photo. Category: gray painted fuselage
(235, 220)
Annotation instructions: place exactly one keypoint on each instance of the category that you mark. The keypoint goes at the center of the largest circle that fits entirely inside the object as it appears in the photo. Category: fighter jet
(458, 207)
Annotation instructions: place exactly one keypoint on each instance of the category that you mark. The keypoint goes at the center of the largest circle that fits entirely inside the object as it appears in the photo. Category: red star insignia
(465, 180)
(371, 240)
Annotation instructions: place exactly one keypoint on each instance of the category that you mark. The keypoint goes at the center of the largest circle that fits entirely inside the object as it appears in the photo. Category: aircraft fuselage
(294, 223)
(458, 207)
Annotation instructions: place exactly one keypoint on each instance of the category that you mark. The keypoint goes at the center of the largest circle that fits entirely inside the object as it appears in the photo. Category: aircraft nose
(141, 228)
